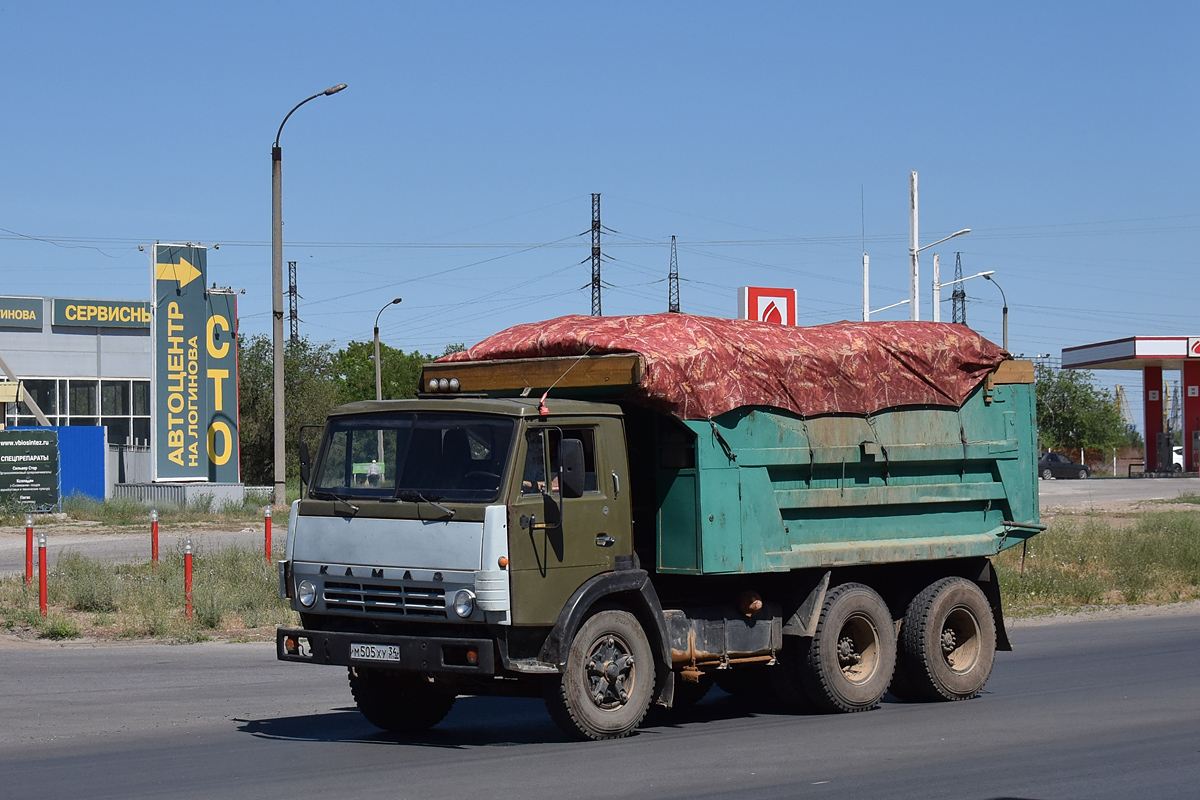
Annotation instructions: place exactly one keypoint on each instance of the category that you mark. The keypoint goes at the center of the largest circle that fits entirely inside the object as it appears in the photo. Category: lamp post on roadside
(378, 380)
(937, 287)
(914, 288)
(915, 300)
(280, 466)
(1003, 299)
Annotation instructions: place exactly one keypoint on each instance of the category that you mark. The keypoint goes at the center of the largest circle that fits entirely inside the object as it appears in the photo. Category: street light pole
(937, 287)
(378, 380)
(914, 288)
(280, 470)
(1004, 300)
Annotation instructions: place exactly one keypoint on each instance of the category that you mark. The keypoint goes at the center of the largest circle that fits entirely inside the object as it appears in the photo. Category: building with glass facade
(84, 362)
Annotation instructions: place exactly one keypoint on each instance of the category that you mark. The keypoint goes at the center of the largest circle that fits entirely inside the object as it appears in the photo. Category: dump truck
(617, 512)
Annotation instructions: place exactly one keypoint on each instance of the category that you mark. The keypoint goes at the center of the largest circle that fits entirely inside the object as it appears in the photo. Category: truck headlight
(464, 603)
(306, 593)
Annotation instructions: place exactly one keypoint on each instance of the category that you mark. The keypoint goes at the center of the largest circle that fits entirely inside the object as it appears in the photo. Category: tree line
(1074, 413)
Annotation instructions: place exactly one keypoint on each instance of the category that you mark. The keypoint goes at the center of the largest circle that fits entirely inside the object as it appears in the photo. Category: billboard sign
(767, 304)
(179, 385)
(101, 313)
(221, 378)
(21, 312)
(29, 468)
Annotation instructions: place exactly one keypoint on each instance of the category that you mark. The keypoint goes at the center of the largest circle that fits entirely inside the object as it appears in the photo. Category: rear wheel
(608, 683)
(850, 659)
(1047, 474)
(398, 703)
(948, 641)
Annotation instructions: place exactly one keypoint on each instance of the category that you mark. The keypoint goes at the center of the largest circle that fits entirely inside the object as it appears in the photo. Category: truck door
(549, 564)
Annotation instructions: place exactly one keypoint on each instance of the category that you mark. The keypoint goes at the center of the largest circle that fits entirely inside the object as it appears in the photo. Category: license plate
(375, 652)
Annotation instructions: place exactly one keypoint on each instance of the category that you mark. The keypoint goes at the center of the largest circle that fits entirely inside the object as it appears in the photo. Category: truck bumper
(431, 655)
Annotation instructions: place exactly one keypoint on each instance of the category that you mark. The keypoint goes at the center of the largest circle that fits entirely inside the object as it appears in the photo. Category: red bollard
(187, 578)
(154, 537)
(267, 532)
(42, 572)
(29, 549)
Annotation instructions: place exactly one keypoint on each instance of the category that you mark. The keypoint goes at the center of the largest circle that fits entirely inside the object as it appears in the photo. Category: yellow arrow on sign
(183, 272)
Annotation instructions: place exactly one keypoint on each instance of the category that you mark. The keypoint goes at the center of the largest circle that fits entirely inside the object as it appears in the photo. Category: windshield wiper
(412, 497)
(334, 496)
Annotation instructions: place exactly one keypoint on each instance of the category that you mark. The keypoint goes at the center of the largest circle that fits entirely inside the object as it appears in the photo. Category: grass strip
(1085, 562)
(234, 590)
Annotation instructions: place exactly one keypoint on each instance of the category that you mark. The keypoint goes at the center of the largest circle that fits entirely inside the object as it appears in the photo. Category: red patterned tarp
(700, 367)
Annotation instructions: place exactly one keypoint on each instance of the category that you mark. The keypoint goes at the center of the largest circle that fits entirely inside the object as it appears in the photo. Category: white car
(1177, 458)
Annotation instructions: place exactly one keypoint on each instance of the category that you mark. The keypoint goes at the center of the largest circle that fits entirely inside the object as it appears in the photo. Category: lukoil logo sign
(766, 304)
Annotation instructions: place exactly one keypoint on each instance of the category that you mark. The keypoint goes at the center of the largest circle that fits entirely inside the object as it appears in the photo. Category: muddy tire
(948, 641)
(850, 659)
(608, 682)
(398, 703)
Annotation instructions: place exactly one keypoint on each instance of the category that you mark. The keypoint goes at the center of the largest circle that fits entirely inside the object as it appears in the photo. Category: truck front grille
(390, 600)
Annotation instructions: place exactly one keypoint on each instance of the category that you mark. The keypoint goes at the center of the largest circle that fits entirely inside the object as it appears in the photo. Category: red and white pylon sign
(766, 304)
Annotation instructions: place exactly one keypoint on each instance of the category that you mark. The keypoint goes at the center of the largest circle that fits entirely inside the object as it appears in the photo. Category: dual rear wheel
(944, 651)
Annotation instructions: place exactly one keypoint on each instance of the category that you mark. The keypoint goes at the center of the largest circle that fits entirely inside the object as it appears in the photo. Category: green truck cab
(607, 556)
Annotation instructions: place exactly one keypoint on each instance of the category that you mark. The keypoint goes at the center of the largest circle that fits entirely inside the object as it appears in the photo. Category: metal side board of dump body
(772, 491)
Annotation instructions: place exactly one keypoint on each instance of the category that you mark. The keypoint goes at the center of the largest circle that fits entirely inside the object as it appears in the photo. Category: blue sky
(456, 169)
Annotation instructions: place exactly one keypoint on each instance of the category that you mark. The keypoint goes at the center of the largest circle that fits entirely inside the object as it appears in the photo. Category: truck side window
(534, 477)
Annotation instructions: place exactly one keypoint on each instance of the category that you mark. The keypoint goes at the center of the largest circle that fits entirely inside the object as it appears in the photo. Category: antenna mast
(958, 298)
(596, 255)
(673, 281)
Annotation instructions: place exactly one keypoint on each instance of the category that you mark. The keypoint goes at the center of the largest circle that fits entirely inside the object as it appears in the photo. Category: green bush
(56, 626)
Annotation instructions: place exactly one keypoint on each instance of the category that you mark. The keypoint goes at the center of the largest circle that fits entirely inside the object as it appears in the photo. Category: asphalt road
(1106, 492)
(1091, 709)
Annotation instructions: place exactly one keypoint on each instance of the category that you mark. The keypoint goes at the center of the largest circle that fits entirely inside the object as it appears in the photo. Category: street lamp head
(960, 233)
(397, 300)
(334, 89)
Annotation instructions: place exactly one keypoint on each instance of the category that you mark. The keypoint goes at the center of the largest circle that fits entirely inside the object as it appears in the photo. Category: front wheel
(398, 703)
(1083, 473)
(607, 685)
(948, 640)
(853, 651)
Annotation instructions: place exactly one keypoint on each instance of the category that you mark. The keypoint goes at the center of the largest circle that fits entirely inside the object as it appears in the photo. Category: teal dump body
(769, 491)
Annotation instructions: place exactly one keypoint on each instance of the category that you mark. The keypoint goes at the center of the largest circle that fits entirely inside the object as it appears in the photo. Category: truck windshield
(414, 456)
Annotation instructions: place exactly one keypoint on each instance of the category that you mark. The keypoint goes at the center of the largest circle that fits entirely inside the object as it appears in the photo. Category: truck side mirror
(571, 475)
(305, 470)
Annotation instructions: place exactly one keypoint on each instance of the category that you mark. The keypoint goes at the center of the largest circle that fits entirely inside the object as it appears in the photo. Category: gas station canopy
(1151, 355)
